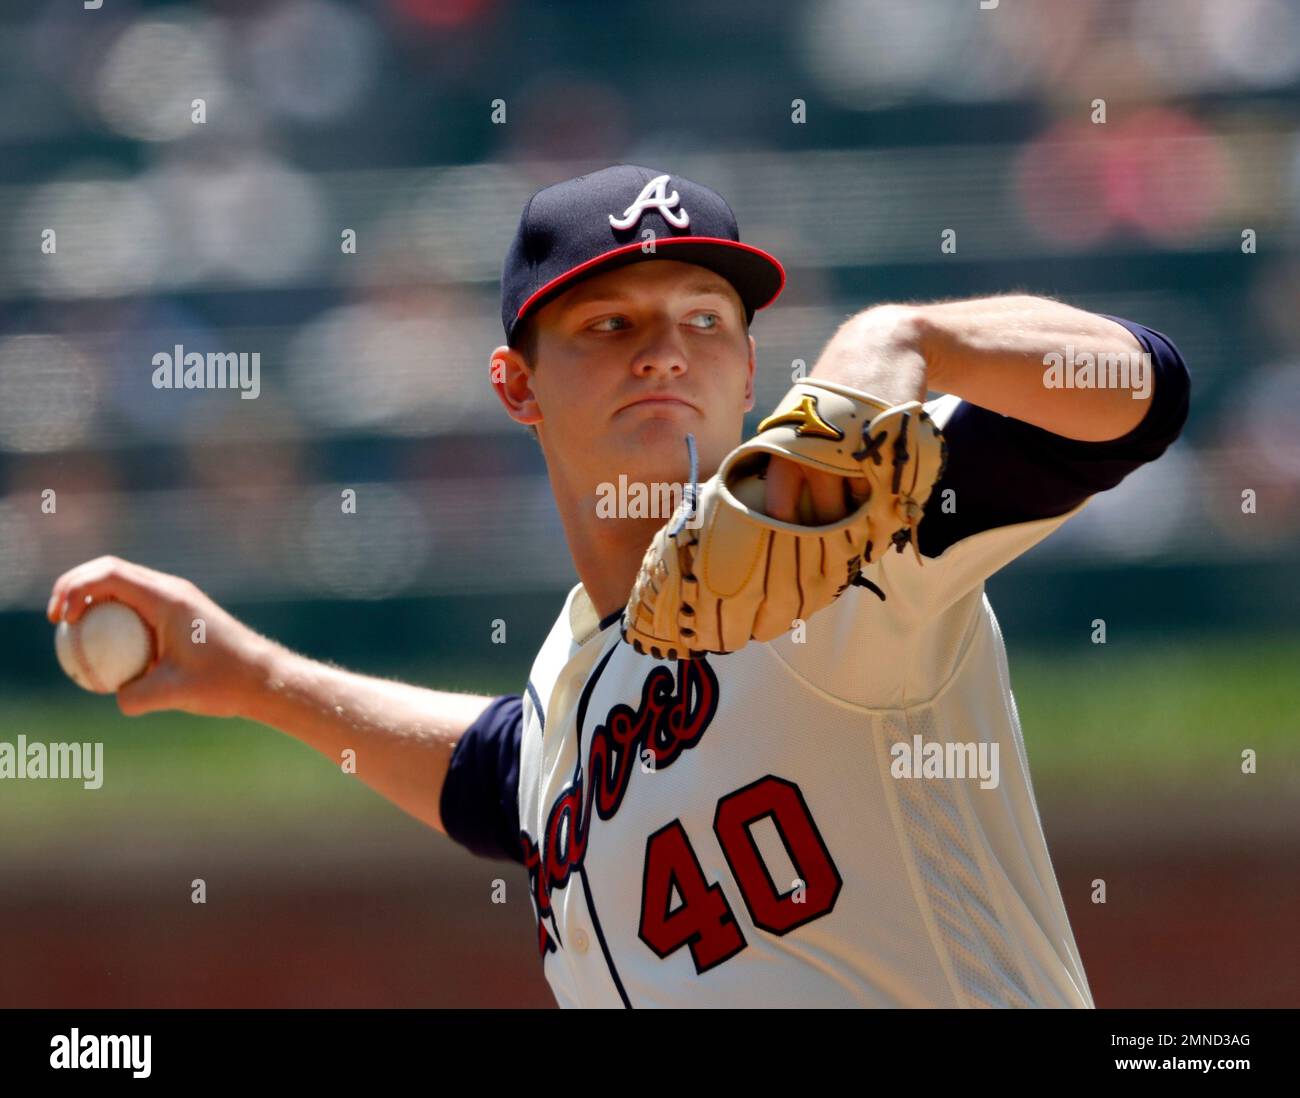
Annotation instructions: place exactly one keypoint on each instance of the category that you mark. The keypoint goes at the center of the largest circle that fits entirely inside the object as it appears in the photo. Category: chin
(657, 450)
(653, 450)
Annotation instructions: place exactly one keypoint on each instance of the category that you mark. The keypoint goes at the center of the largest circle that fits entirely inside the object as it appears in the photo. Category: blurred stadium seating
(323, 117)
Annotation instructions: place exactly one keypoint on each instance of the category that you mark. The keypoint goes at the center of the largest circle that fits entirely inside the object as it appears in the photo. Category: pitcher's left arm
(1078, 375)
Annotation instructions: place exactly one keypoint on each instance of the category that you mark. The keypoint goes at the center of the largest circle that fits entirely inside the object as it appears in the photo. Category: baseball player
(768, 754)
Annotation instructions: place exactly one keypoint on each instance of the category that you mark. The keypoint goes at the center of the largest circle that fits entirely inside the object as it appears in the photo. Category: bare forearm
(993, 352)
(878, 351)
(403, 736)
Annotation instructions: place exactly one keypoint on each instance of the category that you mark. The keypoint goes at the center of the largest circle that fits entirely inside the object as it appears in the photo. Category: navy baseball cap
(597, 222)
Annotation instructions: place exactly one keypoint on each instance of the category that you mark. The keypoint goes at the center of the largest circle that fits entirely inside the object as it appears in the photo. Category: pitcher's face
(630, 361)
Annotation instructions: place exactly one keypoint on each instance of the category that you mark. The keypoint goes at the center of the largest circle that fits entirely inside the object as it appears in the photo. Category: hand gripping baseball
(734, 574)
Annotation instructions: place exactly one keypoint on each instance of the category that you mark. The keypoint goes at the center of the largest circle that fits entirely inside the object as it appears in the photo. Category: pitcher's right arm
(404, 736)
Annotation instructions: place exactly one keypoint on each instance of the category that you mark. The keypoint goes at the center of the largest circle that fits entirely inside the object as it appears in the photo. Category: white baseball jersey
(840, 817)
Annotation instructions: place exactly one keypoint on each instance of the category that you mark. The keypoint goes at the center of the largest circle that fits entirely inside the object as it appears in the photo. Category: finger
(784, 483)
(87, 571)
(58, 593)
(827, 496)
(121, 581)
(153, 690)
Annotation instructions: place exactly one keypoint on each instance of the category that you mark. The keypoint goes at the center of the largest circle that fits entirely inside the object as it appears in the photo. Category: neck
(607, 552)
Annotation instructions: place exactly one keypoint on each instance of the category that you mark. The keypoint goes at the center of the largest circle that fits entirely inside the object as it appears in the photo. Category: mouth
(659, 400)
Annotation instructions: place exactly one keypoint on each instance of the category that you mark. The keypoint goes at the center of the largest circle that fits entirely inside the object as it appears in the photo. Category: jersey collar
(583, 623)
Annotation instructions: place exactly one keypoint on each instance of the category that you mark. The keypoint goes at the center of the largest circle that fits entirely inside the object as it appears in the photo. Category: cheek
(730, 372)
(565, 391)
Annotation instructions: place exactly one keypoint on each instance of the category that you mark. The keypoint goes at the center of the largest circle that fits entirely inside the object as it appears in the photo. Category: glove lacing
(687, 510)
(912, 512)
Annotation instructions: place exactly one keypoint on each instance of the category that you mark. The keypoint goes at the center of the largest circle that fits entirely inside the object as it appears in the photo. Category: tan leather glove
(735, 574)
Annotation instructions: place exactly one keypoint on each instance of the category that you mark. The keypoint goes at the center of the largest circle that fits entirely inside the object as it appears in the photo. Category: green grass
(175, 768)
(1162, 717)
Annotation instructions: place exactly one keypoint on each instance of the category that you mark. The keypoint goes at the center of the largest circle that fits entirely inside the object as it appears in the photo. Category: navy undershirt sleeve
(1005, 471)
(480, 798)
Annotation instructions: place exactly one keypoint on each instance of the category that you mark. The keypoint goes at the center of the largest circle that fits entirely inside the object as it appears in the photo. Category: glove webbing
(871, 449)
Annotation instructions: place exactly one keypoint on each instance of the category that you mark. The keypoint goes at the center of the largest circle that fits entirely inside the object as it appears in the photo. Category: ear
(749, 374)
(512, 381)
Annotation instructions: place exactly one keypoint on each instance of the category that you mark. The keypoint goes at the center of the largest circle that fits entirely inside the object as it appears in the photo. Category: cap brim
(757, 276)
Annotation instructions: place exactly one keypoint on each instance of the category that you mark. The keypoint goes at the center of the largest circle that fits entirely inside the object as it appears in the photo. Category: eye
(595, 326)
(716, 318)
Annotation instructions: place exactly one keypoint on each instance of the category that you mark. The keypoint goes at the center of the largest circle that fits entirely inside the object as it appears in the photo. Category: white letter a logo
(652, 194)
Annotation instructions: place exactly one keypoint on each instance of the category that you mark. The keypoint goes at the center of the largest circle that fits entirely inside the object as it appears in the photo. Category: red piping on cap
(624, 249)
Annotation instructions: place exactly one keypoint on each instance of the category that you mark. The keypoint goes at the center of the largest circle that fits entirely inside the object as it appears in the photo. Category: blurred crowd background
(378, 117)
(323, 116)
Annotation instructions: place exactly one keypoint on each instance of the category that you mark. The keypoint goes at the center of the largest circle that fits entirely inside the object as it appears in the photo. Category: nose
(663, 352)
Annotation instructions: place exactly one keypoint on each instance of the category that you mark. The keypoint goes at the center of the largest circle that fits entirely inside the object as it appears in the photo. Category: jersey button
(580, 940)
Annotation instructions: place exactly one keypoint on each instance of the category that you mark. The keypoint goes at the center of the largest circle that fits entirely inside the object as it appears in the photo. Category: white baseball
(109, 646)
